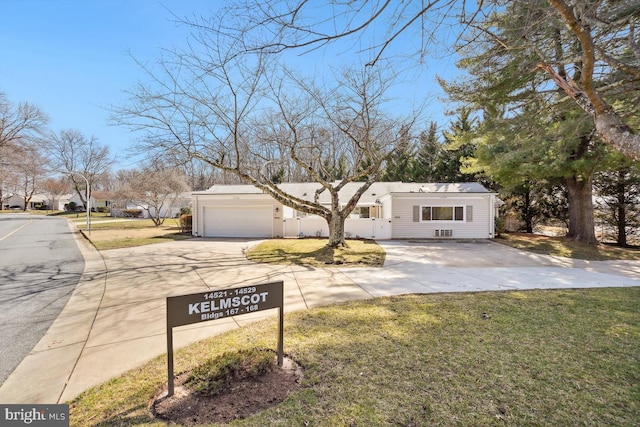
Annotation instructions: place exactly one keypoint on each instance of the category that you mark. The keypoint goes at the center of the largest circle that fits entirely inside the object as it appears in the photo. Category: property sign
(212, 305)
(194, 308)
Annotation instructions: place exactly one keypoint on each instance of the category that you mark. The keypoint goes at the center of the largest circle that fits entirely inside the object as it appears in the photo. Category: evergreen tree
(437, 161)
(432, 162)
(460, 148)
(399, 165)
(618, 190)
(531, 132)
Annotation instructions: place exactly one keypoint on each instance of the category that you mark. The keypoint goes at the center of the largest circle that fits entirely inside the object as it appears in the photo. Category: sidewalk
(115, 319)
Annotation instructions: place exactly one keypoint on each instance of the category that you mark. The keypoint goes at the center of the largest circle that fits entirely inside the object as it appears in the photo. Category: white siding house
(17, 201)
(236, 211)
(170, 207)
(387, 210)
(43, 199)
(444, 215)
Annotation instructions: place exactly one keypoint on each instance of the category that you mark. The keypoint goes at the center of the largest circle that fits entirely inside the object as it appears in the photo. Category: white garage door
(238, 221)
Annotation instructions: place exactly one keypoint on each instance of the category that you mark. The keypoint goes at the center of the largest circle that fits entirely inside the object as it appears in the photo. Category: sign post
(219, 304)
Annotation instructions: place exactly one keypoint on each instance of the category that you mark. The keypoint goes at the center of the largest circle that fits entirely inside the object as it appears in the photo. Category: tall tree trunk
(581, 222)
(622, 210)
(528, 212)
(336, 231)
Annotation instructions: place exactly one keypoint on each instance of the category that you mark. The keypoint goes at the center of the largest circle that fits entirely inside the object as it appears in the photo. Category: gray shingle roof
(307, 190)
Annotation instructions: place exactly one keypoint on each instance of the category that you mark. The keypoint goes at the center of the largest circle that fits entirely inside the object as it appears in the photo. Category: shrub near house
(132, 213)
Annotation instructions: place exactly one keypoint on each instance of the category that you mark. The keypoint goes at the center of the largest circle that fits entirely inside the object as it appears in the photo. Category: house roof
(307, 190)
(102, 195)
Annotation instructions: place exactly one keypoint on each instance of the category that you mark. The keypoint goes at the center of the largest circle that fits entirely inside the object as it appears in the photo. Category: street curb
(61, 346)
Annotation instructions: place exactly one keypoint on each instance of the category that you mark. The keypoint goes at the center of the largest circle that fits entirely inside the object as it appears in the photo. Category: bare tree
(235, 111)
(275, 26)
(20, 123)
(80, 158)
(7, 155)
(605, 31)
(54, 189)
(155, 188)
(25, 171)
(10, 176)
(314, 130)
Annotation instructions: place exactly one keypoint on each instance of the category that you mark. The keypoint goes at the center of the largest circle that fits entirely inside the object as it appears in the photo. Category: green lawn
(567, 248)
(548, 358)
(124, 223)
(130, 242)
(114, 233)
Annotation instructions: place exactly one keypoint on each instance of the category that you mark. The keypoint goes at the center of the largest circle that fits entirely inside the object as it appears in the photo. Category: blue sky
(72, 59)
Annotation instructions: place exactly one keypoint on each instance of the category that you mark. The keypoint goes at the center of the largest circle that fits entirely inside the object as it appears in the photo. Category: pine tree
(530, 132)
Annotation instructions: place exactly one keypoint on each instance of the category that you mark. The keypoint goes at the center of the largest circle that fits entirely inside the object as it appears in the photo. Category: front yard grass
(547, 358)
(313, 252)
(567, 248)
(117, 233)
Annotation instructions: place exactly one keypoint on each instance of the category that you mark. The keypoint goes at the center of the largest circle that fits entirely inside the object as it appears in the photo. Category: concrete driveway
(426, 267)
(115, 319)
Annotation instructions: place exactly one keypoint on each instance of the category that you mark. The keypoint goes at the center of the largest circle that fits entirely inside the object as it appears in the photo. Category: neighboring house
(38, 200)
(170, 209)
(101, 199)
(98, 199)
(17, 201)
(387, 210)
(75, 198)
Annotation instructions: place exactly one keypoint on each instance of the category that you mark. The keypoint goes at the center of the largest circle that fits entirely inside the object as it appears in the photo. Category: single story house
(170, 208)
(17, 201)
(387, 210)
(102, 200)
(64, 200)
(46, 201)
(99, 199)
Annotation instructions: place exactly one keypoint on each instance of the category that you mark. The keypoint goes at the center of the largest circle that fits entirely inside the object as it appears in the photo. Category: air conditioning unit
(443, 233)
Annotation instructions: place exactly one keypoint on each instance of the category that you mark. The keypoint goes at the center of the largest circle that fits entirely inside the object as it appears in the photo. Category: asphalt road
(40, 266)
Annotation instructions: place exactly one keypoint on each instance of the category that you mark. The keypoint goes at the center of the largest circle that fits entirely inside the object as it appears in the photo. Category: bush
(186, 221)
(132, 213)
(216, 374)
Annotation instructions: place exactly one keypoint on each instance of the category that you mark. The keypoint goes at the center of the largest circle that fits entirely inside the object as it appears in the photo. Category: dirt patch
(241, 400)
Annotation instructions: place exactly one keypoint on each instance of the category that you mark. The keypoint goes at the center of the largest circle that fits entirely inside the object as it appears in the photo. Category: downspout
(195, 228)
(492, 216)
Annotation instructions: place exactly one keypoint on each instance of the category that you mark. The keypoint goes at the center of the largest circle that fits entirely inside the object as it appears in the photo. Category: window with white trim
(441, 213)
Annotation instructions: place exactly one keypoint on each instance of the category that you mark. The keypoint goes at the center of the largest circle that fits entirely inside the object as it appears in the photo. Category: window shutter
(469, 213)
(458, 213)
(416, 214)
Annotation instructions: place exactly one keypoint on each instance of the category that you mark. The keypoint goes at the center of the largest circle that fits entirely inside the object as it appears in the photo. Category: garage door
(238, 221)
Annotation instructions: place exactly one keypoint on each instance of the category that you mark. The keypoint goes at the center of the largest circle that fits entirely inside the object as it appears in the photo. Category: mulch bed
(242, 399)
